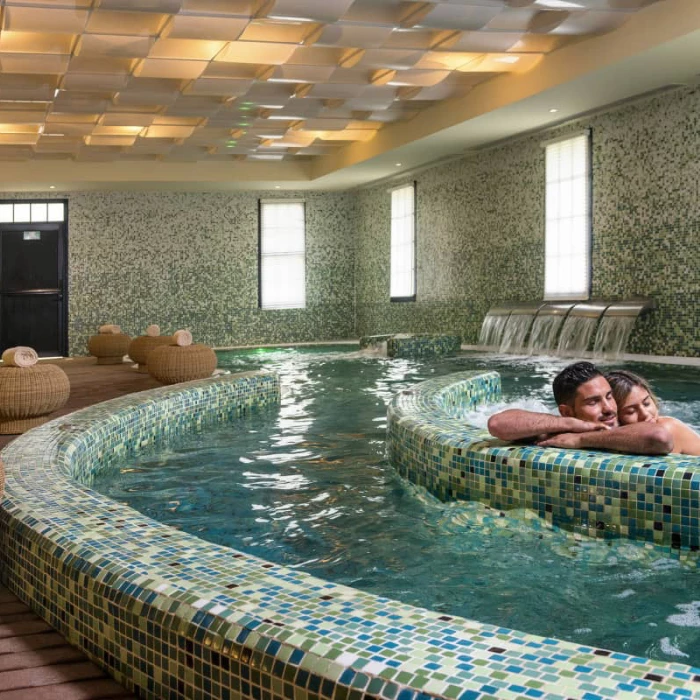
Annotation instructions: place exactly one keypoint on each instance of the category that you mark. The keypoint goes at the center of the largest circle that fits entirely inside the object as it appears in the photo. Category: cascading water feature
(616, 326)
(546, 327)
(578, 328)
(493, 326)
(515, 331)
(562, 328)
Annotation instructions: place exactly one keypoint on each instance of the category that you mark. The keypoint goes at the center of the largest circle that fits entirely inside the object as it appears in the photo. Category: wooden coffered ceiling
(247, 92)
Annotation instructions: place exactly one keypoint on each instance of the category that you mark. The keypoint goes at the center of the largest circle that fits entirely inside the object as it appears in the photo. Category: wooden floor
(36, 663)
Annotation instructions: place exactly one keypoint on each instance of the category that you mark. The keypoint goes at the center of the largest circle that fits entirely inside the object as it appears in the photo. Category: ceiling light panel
(125, 23)
(222, 87)
(44, 19)
(188, 49)
(114, 45)
(454, 16)
(327, 11)
(256, 52)
(156, 6)
(353, 35)
(33, 63)
(278, 31)
(222, 79)
(34, 42)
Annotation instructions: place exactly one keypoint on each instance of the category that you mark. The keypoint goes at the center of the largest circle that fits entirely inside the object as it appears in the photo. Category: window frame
(582, 295)
(412, 297)
(261, 255)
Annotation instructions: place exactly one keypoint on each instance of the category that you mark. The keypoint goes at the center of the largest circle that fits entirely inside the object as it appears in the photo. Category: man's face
(594, 402)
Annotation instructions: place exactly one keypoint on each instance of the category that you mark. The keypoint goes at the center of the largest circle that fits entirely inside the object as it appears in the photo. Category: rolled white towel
(109, 329)
(153, 330)
(182, 338)
(20, 356)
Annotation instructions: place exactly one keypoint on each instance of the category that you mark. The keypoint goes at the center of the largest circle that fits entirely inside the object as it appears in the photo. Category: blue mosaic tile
(171, 616)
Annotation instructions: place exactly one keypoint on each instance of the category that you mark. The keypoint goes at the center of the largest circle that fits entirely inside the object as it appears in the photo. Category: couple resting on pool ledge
(616, 412)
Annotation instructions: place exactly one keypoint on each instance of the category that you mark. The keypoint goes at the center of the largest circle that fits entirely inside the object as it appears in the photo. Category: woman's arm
(685, 440)
(636, 438)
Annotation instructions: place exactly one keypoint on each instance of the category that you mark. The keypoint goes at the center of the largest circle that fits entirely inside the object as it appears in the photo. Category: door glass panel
(31, 320)
(22, 213)
(39, 211)
(28, 263)
(57, 211)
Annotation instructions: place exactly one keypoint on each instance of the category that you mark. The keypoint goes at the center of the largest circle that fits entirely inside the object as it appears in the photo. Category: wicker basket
(29, 394)
(170, 364)
(141, 346)
(109, 348)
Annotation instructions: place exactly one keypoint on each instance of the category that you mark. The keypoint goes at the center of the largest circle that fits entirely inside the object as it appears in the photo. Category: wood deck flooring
(36, 663)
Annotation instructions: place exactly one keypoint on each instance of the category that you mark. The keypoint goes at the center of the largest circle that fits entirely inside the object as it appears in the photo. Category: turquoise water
(308, 486)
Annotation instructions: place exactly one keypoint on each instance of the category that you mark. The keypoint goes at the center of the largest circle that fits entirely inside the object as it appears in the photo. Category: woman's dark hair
(567, 382)
(622, 382)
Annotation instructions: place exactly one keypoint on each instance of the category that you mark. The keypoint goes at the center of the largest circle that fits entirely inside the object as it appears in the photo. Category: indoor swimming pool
(308, 486)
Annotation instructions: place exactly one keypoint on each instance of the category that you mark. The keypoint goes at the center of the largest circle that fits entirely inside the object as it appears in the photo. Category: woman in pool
(636, 403)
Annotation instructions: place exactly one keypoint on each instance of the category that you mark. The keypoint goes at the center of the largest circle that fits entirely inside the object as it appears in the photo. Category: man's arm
(517, 424)
(637, 438)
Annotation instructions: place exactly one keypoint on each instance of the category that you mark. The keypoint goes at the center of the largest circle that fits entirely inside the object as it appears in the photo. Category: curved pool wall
(172, 616)
(600, 494)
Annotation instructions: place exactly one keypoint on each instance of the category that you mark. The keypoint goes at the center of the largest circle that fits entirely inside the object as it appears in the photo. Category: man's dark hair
(570, 379)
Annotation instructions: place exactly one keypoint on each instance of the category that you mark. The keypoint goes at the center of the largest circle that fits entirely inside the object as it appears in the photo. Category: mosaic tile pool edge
(414, 345)
(599, 494)
(171, 616)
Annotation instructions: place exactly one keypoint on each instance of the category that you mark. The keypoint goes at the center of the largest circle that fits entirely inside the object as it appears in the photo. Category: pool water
(308, 486)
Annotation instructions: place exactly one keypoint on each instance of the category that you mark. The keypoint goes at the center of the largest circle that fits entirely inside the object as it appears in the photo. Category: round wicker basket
(141, 346)
(109, 348)
(170, 364)
(29, 394)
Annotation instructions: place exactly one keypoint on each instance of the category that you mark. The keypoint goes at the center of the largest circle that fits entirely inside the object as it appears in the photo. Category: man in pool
(587, 420)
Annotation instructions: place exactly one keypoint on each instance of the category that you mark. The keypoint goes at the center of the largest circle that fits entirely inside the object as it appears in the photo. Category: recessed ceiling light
(553, 110)
(398, 165)
(52, 187)
(277, 187)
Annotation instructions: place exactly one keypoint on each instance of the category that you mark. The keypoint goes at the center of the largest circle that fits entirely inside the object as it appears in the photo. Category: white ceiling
(308, 94)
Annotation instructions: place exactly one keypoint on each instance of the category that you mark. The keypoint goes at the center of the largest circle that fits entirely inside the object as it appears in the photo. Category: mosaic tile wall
(190, 260)
(598, 494)
(407, 345)
(481, 223)
(171, 616)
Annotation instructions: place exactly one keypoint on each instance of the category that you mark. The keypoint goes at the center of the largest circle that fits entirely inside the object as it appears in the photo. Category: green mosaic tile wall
(481, 223)
(190, 260)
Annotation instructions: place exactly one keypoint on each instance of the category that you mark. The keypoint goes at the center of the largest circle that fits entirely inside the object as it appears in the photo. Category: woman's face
(637, 407)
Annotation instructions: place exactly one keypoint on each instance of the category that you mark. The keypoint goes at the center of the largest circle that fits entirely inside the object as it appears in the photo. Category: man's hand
(576, 425)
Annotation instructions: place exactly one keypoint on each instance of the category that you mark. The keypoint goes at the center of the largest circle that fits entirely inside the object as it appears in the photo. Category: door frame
(62, 227)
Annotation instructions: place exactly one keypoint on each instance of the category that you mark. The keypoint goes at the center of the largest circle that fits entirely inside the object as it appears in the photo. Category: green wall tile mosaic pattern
(190, 260)
(409, 345)
(599, 494)
(480, 229)
(172, 616)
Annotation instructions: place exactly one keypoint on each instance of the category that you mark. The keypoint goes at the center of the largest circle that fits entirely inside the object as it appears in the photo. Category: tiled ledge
(599, 494)
(171, 616)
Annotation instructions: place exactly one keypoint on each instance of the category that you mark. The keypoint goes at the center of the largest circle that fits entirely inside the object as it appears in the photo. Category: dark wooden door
(32, 287)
